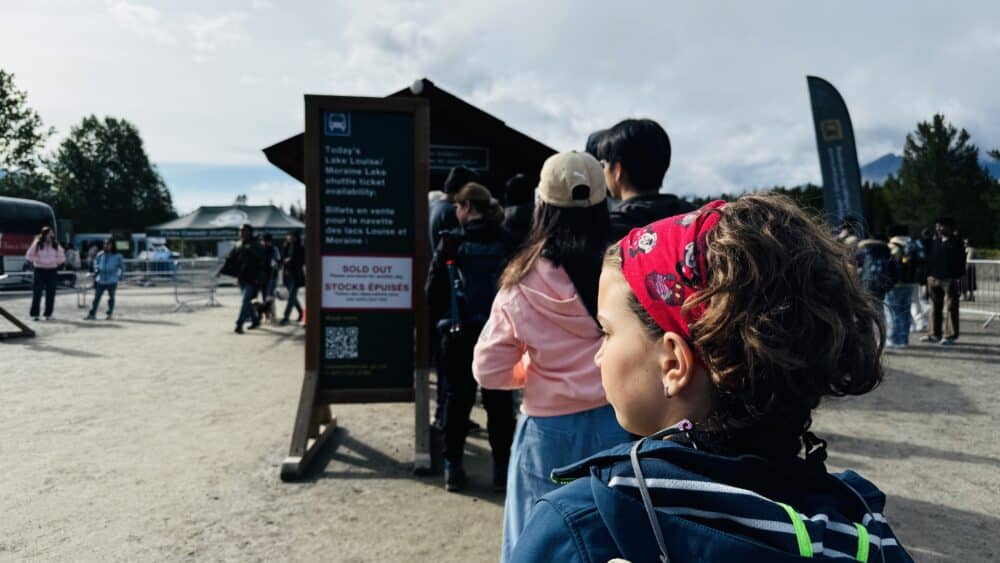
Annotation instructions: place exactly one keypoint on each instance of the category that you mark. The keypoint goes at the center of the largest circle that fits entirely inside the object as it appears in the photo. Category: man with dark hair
(520, 208)
(945, 265)
(593, 147)
(248, 264)
(635, 154)
(442, 211)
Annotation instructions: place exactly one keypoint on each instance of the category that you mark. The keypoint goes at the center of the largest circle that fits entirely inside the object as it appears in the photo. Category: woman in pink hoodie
(542, 336)
(46, 256)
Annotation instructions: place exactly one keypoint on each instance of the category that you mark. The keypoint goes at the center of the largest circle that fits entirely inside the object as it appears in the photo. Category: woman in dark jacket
(461, 285)
(293, 259)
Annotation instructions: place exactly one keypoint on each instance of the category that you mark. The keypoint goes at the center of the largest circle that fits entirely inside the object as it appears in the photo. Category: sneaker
(930, 338)
(48, 317)
(948, 342)
(454, 478)
(35, 319)
(238, 330)
(107, 317)
(90, 317)
(895, 345)
(254, 325)
(284, 322)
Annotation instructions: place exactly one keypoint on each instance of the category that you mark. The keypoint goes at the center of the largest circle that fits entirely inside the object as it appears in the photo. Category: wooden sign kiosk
(366, 174)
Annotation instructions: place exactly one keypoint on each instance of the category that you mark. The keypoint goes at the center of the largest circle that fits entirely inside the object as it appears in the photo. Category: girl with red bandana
(723, 330)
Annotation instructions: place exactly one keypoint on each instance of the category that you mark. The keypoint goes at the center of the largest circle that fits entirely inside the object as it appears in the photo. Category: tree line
(99, 176)
(941, 176)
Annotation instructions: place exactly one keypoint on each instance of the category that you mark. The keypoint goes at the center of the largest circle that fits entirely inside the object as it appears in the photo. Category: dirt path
(158, 436)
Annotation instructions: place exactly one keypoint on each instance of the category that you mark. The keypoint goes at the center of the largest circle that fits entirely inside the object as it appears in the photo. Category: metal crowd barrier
(981, 286)
(188, 280)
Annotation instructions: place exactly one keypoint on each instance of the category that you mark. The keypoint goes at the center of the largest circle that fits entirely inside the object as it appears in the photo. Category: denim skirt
(544, 443)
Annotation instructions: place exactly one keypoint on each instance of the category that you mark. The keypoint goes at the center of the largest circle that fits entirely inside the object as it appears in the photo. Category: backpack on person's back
(908, 259)
(479, 265)
(876, 267)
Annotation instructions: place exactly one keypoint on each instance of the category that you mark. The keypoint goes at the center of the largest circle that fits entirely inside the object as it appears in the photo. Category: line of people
(257, 264)
(905, 271)
(695, 331)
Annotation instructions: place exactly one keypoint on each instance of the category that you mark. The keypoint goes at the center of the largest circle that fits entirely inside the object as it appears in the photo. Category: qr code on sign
(341, 342)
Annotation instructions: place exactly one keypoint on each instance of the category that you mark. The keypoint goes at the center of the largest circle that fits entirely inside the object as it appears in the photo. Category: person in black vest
(635, 155)
(945, 265)
(520, 208)
(247, 263)
(442, 219)
(461, 285)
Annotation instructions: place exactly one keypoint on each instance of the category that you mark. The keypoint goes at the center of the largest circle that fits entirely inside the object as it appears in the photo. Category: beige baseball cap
(572, 179)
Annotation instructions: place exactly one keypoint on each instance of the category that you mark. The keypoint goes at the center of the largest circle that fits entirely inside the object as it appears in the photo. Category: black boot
(454, 477)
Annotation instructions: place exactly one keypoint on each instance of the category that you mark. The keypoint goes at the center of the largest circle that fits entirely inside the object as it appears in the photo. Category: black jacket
(293, 261)
(517, 222)
(480, 250)
(644, 209)
(946, 258)
(247, 263)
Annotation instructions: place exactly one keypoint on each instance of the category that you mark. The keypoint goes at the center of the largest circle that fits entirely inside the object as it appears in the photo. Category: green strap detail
(862, 543)
(801, 534)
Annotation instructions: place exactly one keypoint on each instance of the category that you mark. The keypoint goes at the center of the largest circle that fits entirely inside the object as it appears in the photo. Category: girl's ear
(677, 364)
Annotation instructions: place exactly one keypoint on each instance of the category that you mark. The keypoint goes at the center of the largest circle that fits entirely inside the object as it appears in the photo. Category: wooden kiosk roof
(454, 123)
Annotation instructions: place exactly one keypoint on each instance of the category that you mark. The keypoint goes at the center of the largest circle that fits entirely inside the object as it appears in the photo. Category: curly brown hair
(786, 323)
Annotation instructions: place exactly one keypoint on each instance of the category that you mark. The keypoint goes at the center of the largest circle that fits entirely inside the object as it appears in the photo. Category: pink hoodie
(540, 337)
(46, 257)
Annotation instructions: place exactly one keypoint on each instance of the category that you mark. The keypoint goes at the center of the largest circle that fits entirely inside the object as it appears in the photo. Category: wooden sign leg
(23, 330)
(422, 423)
(314, 424)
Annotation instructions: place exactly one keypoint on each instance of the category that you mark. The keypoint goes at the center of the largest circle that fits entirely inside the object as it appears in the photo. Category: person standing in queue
(109, 267)
(441, 209)
(461, 284)
(635, 154)
(722, 387)
(293, 259)
(945, 265)
(247, 263)
(542, 336)
(45, 255)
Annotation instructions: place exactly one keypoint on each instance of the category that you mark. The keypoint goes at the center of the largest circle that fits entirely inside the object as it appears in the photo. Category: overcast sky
(214, 82)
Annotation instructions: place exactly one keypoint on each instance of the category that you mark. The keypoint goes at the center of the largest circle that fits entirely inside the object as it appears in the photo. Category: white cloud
(140, 19)
(727, 81)
(279, 193)
(211, 34)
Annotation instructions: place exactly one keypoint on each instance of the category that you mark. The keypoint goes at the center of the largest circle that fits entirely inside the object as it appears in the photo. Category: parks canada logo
(231, 218)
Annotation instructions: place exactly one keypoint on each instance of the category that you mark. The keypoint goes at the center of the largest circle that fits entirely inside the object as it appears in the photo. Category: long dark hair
(573, 238)
(43, 237)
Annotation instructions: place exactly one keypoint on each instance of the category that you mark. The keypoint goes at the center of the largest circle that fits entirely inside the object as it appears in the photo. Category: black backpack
(909, 260)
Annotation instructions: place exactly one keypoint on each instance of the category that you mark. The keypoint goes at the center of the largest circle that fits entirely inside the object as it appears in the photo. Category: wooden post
(23, 330)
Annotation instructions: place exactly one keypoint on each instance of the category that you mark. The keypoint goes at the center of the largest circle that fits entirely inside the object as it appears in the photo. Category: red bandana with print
(664, 264)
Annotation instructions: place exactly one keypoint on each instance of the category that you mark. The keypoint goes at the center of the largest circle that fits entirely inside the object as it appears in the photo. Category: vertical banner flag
(838, 155)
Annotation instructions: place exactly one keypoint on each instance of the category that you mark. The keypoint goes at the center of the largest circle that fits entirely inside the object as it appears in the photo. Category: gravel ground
(159, 435)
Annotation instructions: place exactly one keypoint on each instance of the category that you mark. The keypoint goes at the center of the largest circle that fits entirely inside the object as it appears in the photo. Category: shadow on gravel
(46, 348)
(364, 462)
(932, 532)
(86, 324)
(886, 449)
(903, 391)
(973, 356)
(145, 322)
